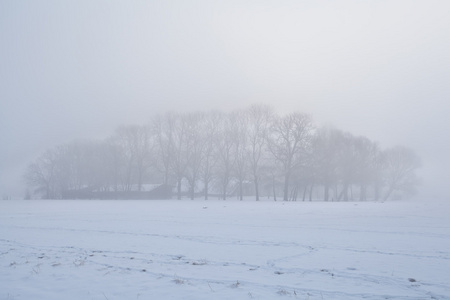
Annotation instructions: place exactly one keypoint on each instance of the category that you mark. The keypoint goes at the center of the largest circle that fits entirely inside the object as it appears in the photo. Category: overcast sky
(78, 69)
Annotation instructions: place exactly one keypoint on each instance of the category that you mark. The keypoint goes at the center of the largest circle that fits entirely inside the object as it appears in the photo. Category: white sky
(78, 69)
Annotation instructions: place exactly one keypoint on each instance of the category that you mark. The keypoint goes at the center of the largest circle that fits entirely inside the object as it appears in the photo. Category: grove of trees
(251, 152)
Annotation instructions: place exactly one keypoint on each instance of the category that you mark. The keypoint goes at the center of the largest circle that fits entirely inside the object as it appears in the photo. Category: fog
(71, 70)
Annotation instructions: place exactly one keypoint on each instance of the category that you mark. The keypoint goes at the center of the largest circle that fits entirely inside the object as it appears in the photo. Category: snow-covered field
(224, 250)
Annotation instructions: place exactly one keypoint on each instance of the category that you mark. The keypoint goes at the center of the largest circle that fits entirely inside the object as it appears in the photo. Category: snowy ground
(224, 250)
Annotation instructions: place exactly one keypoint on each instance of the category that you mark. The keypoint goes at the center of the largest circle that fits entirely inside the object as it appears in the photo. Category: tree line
(249, 152)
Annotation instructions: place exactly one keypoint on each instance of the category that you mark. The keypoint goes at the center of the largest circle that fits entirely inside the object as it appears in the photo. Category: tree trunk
(192, 192)
(344, 193)
(166, 177)
(273, 187)
(351, 192)
(294, 196)
(256, 187)
(286, 187)
(304, 192)
(291, 197)
(224, 191)
(139, 181)
(206, 189)
(377, 191)
(311, 191)
(362, 194)
(240, 190)
(388, 193)
(179, 189)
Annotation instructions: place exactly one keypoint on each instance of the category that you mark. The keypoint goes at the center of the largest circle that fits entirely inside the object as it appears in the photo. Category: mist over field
(75, 70)
(285, 149)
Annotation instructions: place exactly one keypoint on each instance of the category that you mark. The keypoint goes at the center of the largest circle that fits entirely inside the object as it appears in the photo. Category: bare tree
(325, 157)
(367, 157)
(115, 163)
(196, 150)
(142, 147)
(82, 165)
(195, 147)
(239, 124)
(134, 141)
(162, 128)
(259, 118)
(400, 164)
(290, 136)
(180, 150)
(42, 175)
(225, 156)
(125, 144)
(209, 162)
(347, 166)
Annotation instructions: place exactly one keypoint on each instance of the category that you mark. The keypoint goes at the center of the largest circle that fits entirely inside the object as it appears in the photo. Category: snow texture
(224, 250)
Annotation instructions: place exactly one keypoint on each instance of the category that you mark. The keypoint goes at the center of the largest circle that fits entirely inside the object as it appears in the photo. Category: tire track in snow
(126, 262)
